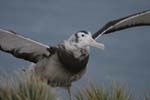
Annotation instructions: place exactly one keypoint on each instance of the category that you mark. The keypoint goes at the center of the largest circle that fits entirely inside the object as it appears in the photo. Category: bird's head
(83, 39)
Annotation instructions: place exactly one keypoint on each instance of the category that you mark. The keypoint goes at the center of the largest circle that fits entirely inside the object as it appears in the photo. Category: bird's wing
(138, 19)
(22, 47)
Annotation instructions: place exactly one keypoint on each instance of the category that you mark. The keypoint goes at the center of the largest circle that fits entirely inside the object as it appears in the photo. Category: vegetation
(93, 92)
(22, 87)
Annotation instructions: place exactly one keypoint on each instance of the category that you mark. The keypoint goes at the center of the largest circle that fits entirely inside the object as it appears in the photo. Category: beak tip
(102, 46)
(96, 44)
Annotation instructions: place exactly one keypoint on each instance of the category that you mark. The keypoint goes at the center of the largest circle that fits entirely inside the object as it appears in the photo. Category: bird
(66, 62)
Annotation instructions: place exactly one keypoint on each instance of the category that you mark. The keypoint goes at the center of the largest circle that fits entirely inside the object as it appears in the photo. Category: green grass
(22, 87)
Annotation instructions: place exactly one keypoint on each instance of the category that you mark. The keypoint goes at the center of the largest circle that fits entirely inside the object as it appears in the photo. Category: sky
(126, 58)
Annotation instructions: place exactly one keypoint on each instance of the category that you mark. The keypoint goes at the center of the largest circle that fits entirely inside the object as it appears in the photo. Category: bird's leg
(69, 92)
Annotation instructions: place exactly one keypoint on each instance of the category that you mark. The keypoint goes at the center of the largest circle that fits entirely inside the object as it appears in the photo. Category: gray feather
(22, 47)
(138, 19)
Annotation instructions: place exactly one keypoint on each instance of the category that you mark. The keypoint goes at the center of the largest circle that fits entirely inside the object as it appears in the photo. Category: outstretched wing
(138, 19)
(22, 47)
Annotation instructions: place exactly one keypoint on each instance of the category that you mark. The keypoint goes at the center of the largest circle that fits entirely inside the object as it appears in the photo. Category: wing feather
(134, 20)
(22, 47)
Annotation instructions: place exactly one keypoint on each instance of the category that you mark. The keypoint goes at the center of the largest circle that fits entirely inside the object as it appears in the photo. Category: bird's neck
(76, 50)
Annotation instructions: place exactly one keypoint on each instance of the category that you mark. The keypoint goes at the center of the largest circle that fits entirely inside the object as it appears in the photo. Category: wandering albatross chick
(67, 62)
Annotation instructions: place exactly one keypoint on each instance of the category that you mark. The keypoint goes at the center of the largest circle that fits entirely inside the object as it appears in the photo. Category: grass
(22, 87)
(93, 92)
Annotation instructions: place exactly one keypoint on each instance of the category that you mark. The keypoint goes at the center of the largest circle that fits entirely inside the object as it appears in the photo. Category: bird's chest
(73, 62)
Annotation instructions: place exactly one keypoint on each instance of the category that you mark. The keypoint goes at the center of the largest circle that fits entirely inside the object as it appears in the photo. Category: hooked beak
(93, 43)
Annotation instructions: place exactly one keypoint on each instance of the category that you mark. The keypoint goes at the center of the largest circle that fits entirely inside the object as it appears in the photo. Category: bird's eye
(82, 35)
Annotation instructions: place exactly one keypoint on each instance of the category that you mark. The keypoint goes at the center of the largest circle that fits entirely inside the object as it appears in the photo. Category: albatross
(66, 62)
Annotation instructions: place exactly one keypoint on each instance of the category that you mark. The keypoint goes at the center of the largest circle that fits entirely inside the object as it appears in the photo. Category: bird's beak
(93, 43)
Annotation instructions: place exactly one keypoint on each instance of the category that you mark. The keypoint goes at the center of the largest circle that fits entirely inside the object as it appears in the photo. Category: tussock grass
(22, 87)
(94, 92)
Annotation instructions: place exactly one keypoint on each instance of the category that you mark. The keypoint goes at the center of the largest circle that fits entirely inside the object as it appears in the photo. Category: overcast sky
(126, 57)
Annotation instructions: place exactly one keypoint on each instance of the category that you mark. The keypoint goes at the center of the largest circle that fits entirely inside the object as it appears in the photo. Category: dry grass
(22, 87)
(93, 92)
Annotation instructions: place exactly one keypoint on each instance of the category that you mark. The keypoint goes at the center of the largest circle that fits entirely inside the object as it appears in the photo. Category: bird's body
(60, 65)
(63, 66)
